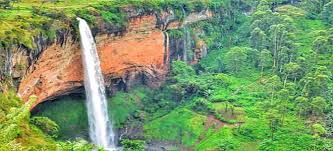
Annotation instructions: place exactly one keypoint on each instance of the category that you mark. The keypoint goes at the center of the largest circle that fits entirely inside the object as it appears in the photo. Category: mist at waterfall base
(100, 127)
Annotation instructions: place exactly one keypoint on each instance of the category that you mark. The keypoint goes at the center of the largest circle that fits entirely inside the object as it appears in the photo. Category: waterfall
(186, 40)
(100, 127)
(186, 44)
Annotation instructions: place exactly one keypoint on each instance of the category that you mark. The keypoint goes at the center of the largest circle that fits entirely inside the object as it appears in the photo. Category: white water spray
(100, 128)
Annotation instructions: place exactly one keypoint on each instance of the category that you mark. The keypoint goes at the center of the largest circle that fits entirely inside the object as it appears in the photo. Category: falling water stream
(100, 127)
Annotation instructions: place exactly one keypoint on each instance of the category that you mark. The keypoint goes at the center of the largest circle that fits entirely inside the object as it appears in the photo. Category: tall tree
(265, 60)
(321, 45)
(291, 70)
(278, 34)
(302, 105)
(315, 6)
(327, 13)
(273, 120)
(272, 86)
(317, 83)
(329, 122)
(318, 105)
(236, 58)
(282, 103)
(258, 39)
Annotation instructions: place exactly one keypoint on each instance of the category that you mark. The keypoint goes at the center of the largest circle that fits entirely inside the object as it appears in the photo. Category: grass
(184, 126)
(238, 113)
(39, 17)
(223, 139)
(307, 31)
(254, 134)
(16, 132)
(123, 105)
(33, 139)
(69, 113)
(181, 125)
(29, 18)
(249, 146)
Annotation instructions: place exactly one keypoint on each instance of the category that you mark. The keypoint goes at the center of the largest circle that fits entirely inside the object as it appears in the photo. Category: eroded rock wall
(140, 55)
(139, 51)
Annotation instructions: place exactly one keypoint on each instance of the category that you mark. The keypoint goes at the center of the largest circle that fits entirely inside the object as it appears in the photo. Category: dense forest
(265, 83)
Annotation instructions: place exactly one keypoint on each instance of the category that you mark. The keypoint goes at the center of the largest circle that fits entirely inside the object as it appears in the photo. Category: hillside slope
(265, 83)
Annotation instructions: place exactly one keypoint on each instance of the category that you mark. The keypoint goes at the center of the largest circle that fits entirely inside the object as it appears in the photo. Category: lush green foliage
(46, 125)
(69, 114)
(181, 125)
(266, 83)
(16, 132)
(25, 21)
(279, 77)
(132, 145)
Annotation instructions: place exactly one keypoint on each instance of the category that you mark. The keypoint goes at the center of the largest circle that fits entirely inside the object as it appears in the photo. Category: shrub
(326, 14)
(220, 117)
(180, 68)
(176, 33)
(202, 105)
(133, 145)
(5, 4)
(228, 144)
(46, 125)
(77, 145)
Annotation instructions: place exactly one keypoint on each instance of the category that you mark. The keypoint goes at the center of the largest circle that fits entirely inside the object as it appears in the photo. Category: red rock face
(59, 69)
(142, 47)
(142, 50)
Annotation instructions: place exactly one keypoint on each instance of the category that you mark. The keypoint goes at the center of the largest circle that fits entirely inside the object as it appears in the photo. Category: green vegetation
(22, 22)
(265, 85)
(279, 82)
(46, 125)
(69, 113)
(16, 132)
(123, 105)
(181, 125)
(31, 26)
(132, 145)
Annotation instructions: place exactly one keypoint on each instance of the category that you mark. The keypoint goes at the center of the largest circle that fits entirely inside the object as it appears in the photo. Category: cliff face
(140, 55)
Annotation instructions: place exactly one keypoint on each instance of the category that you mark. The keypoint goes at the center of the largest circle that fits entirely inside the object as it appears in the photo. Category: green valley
(264, 84)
